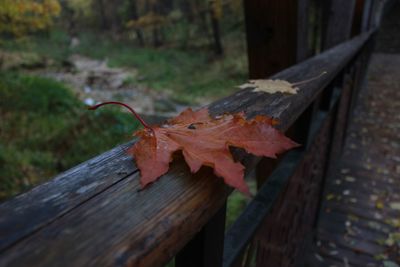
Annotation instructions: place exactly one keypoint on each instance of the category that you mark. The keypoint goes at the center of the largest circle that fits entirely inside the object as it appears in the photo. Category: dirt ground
(93, 81)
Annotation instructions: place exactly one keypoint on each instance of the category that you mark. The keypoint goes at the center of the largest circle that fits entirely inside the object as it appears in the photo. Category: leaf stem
(124, 105)
(309, 80)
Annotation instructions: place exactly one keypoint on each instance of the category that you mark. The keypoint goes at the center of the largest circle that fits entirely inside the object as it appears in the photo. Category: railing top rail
(96, 213)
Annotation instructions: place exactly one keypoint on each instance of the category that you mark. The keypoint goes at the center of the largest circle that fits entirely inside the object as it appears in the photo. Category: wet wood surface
(96, 214)
(359, 221)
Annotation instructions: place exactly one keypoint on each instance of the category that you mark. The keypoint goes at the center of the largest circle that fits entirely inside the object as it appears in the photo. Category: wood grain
(276, 33)
(96, 215)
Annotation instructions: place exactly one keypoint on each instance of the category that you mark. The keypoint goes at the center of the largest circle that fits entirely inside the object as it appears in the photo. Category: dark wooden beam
(338, 16)
(240, 234)
(206, 248)
(361, 16)
(277, 35)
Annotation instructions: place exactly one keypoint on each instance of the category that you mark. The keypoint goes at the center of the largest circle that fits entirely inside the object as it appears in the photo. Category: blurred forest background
(56, 56)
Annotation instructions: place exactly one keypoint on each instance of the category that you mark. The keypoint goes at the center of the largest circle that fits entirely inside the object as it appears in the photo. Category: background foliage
(21, 17)
(193, 49)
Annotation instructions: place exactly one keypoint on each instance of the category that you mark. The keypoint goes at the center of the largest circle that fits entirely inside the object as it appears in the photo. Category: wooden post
(361, 16)
(206, 248)
(357, 17)
(277, 35)
(377, 10)
(337, 28)
(338, 22)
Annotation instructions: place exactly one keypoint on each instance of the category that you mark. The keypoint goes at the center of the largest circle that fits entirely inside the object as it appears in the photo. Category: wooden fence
(96, 215)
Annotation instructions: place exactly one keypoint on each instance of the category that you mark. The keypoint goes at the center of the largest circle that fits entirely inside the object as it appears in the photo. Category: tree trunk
(134, 15)
(218, 49)
(103, 18)
(157, 30)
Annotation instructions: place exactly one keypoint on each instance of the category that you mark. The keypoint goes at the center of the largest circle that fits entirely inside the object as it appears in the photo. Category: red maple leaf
(205, 141)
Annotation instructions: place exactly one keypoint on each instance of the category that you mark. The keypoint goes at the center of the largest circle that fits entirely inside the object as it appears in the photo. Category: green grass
(53, 46)
(191, 75)
(46, 130)
(237, 202)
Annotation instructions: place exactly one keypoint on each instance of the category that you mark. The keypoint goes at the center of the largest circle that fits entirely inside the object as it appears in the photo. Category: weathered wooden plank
(364, 213)
(345, 255)
(339, 227)
(316, 260)
(352, 218)
(361, 193)
(243, 230)
(340, 217)
(352, 243)
(124, 226)
(282, 236)
(101, 218)
(29, 212)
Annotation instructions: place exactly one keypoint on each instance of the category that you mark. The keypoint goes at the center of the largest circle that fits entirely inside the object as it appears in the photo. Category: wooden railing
(96, 214)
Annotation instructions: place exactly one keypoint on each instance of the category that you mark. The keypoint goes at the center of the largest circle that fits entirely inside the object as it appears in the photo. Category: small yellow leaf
(379, 204)
(274, 86)
(271, 86)
(395, 205)
(350, 179)
(394, 222)
(380, 257)
(330, 197)
(398, 169)
(353, 217)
